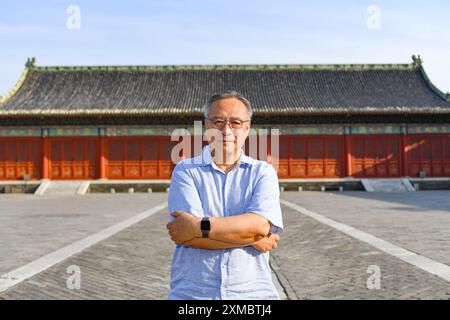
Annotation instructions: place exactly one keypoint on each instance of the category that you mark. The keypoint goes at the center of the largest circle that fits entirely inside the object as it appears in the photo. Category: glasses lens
(236, 124)
(218, 124)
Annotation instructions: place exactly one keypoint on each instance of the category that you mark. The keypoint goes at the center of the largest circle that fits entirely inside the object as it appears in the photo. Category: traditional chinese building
(375, 120)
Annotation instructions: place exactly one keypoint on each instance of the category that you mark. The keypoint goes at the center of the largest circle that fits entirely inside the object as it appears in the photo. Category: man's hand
(267, 243)
(185, 227)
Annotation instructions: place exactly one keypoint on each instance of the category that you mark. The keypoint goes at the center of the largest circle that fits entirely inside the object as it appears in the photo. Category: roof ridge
(31, 63)
(96, 112)
(417, 63)
(16, 88)
(260, 67)
(443, 95)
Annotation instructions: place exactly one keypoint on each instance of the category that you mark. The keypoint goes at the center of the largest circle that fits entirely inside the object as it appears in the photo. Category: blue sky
(138, 32)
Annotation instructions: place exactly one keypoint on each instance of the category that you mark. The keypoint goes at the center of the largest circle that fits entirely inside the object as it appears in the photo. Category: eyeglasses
(235, 124)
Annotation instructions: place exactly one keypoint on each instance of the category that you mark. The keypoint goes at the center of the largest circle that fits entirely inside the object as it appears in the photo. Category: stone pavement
(323, 263)
(32, 226)
(418, 221)
(133, 264)
(313, 261)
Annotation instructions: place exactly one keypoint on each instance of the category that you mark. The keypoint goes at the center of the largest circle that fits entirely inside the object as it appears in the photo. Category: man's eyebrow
(231, 119)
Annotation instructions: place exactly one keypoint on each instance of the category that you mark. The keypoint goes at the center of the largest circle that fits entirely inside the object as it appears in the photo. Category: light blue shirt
(199, 187)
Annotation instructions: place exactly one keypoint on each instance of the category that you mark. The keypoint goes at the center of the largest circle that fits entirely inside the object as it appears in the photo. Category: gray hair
(225, 95)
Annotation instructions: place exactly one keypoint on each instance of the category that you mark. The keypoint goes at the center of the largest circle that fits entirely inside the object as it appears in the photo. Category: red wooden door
(310, 157)
(284, 169)
(139, 158)
(20, 156)
(297, 157)
(316, 157)
(73, 158)
(375, 156)
(428, 153)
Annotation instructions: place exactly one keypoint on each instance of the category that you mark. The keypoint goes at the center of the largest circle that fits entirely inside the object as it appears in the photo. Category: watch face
(205, 225)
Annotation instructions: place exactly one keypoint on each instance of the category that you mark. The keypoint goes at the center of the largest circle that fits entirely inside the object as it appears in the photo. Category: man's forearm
(209, 244)
(242, 229)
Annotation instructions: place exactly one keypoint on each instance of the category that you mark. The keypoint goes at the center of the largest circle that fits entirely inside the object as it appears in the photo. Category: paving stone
(417, 221)
(133, 264)
(33, 226)
(313, 261)
(341, 272)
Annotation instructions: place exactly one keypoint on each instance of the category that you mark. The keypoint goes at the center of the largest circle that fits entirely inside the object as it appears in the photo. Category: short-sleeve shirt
(202, 189)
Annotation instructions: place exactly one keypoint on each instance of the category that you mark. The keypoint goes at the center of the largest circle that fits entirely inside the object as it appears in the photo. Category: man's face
(231, 111)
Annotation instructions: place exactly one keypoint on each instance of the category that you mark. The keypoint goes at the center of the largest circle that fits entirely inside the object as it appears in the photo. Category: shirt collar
(207, 158)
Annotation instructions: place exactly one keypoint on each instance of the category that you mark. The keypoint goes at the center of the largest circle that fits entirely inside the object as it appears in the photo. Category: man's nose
(226, 130)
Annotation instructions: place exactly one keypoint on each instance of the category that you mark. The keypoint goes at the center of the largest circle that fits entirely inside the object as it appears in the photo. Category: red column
(404, 155)
(45, 157)
(102, 157)
(348, 152)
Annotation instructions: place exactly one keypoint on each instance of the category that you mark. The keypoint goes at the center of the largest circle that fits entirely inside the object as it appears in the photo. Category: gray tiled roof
(183, 89)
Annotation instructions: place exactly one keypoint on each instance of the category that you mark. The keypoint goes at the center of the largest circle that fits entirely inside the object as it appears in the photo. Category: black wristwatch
(205, 226)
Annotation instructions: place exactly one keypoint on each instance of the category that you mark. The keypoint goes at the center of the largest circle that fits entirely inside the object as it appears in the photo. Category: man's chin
(229, 147)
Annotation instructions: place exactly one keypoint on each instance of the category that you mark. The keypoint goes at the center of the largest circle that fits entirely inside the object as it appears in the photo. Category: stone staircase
(387, 185)
(62, 188)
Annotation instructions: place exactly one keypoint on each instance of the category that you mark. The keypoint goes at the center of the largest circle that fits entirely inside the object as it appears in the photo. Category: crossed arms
(243, 230)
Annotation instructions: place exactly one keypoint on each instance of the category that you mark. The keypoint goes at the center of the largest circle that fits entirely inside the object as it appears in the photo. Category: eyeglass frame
(228, 121)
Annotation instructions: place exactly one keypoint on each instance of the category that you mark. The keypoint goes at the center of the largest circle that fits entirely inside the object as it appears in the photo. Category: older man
(225, 212)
